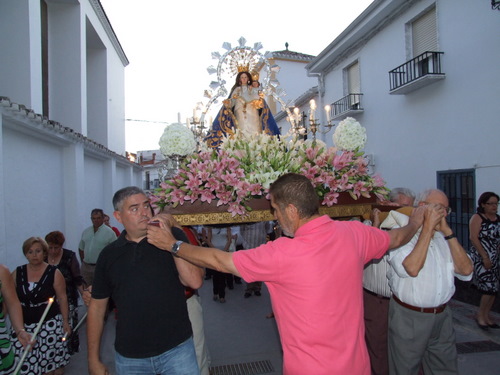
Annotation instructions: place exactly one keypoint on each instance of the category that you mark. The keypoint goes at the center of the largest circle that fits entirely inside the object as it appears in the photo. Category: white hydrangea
(177, 139)
(349, 135)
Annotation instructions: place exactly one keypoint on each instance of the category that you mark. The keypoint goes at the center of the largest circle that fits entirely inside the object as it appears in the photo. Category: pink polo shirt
(315, 282)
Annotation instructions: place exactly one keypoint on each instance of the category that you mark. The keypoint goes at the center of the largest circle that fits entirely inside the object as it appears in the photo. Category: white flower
(349, 135)
(177, 139)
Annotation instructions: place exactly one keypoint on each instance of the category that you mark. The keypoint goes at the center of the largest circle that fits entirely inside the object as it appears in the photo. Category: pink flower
(311, 153)
(378, 181)
(255, 189)
(206, 196)
(330, 199)
(177, 195)
(224, 197)
(236, 209)
(193, 182)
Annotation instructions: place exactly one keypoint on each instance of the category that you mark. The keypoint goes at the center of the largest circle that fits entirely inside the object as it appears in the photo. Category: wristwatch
(175, 248)
(452, 235)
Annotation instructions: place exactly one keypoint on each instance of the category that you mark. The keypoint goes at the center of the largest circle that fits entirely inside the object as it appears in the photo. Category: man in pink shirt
(314, 278)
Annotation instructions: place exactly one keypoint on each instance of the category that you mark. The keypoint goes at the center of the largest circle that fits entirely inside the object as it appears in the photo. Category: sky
(169, 45)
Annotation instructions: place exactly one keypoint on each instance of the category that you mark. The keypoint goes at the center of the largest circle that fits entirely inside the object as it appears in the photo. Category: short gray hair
(123, 194)
(394, 194)
(422, 197)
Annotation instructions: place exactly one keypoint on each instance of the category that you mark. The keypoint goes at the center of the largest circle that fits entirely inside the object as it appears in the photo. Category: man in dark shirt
(153, 332)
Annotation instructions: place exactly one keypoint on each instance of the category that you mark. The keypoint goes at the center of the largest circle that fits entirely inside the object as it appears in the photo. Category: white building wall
(451, 124)
(53, 174)
(19, 23)
(67, 89)
(33, 204)
(293, 78)
(112, 89)
(116, 105)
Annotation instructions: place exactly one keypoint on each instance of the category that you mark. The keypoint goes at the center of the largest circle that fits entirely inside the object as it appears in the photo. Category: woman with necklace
(67, 263)
(36, 282)
(484, 231)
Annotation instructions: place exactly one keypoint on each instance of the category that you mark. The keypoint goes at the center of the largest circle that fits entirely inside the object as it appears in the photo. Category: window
(424, 39)
(424, 33)
(459, 186)
(353, 85)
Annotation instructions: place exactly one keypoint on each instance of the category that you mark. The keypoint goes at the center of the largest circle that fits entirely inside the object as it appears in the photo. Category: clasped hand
(435, 218)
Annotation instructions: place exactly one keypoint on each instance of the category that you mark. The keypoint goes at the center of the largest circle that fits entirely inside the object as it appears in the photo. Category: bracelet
(21, 330)
(450, 237)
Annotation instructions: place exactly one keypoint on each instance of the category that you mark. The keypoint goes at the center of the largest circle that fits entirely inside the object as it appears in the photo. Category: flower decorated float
(222, 173)
(231, 183)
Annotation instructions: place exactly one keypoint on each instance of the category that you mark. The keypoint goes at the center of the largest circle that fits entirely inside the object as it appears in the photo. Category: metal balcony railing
(348, 103)
(426, 64)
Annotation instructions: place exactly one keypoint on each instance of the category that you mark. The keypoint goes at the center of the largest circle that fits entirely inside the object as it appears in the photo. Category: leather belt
(375, 294)
(90, 264)
(429, 310)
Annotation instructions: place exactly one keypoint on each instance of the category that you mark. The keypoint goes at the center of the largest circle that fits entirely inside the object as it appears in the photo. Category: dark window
(459, 186)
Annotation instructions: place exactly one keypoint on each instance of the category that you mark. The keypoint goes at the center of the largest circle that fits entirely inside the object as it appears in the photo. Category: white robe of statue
(247, 102)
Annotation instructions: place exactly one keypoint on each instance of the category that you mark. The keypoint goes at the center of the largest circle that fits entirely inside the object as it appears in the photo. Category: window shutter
(424, 32)
(353, 79)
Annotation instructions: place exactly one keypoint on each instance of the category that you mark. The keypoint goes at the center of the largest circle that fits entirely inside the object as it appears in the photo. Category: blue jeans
(180, 360)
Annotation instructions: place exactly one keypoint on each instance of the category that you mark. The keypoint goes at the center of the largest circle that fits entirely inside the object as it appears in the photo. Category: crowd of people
(42, 298)
(390, 316)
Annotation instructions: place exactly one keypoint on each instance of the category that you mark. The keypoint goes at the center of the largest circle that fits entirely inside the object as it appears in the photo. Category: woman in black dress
(65, 260)
(36, 283)
(484, 230)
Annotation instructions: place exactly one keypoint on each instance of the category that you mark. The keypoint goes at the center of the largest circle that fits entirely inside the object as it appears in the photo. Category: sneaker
(247, 295)
(257, 293)
(215, 297)
(222, 300)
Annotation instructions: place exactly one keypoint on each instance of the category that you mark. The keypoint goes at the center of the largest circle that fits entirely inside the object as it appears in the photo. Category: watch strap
(450, 237)
(175, 248)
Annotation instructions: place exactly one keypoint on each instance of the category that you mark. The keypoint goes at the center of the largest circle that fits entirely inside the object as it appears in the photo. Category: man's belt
(90, 264)
(429, 310)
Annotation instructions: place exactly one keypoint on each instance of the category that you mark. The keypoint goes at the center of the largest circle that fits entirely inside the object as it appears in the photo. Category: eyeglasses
(492, 203)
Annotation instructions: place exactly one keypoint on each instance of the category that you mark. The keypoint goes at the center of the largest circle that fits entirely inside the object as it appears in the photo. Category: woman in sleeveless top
(37, 282)
(484, 230)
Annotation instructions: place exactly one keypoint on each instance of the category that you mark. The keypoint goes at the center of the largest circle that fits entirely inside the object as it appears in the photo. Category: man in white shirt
(422, 282)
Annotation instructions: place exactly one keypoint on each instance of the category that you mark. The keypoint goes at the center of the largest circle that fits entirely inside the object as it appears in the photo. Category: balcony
(349, 105)
(421, 71)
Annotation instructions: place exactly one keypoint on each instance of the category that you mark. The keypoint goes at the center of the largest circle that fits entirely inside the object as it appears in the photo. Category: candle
(327, 109)
(33, 336)
(187, 123)
(296, 116)
(80, 323)
(179, 117)
(312, 105)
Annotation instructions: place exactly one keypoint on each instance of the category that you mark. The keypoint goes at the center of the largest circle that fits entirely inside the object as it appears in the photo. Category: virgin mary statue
(245, 110)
